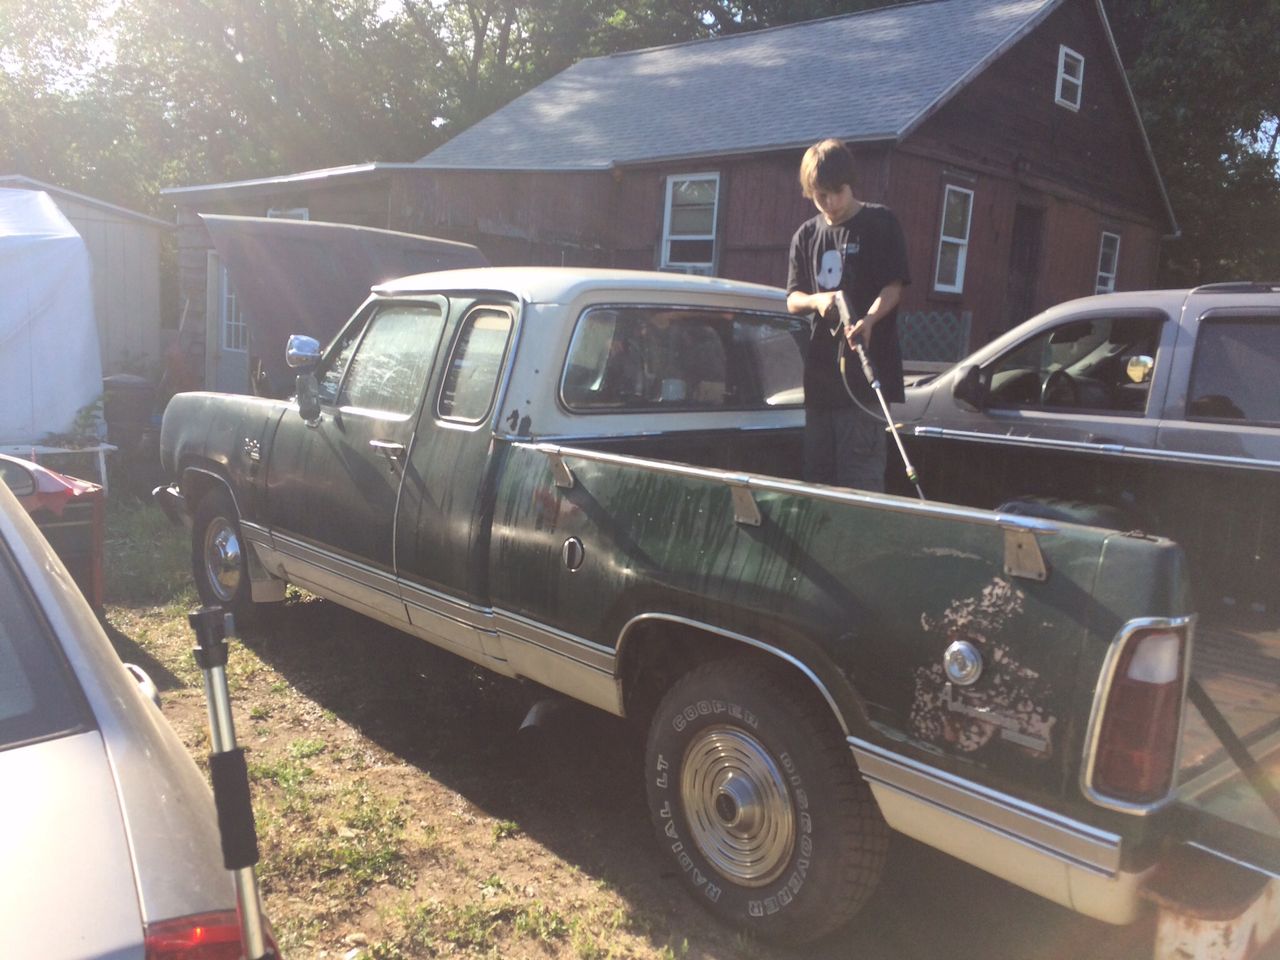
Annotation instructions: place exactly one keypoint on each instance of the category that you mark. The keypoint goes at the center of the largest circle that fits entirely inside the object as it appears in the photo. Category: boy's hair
(827, 165)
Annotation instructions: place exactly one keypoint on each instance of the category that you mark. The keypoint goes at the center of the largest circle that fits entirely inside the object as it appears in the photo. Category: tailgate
(1229, 799)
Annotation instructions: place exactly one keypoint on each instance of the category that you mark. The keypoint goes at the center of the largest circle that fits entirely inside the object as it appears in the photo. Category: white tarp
(49, 362)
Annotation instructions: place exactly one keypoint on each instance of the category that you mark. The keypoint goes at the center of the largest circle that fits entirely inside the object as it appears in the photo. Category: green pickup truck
(589, 479)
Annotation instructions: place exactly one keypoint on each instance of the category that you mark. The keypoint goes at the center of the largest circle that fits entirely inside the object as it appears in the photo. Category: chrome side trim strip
(358, 573)
(755, 482)
(1062, 838)
(1103, 690)
(1107, 449)
(625, 634)
(563, 644)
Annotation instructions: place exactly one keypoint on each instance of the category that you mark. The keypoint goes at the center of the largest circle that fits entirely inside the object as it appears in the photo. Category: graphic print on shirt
(832, 270)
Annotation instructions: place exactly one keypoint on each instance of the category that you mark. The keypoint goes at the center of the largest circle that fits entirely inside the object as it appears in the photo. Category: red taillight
(205, 936)
(1138, 740)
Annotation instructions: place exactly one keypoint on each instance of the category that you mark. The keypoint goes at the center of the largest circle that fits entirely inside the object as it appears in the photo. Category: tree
(1209, 101)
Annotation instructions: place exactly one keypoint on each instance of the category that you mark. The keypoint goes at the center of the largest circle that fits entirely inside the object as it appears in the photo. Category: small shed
(124, 247)
(49, 367)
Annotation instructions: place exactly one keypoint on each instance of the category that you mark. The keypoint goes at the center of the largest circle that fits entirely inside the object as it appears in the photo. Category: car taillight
(1137, 742)
(205, 936)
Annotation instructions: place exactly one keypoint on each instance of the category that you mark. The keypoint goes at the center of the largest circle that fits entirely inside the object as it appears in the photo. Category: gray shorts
(845, 447)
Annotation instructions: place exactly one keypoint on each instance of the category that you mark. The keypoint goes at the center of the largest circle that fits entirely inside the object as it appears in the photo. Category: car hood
(70, 890)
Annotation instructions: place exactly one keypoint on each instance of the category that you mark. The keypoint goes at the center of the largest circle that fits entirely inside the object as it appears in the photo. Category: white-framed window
(1070, 78)
(235, 332)
(1108, 261)
(953, 240)
(689, 221)
(289, 213)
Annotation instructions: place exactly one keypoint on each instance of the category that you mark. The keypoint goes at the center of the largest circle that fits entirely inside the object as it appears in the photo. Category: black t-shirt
(860, 256)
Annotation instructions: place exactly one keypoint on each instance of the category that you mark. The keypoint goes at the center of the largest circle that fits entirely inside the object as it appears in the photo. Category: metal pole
(846, 321)
(230, 775)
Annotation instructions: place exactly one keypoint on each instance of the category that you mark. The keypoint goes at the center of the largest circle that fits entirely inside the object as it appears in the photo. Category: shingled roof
(873, 75)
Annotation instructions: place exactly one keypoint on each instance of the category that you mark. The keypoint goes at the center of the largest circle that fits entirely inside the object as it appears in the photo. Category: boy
(857, 248)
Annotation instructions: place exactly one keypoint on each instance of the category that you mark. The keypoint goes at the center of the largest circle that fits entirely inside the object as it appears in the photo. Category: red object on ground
(71, 514)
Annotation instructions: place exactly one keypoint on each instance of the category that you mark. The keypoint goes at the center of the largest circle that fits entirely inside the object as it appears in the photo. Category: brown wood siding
(1007, 119)
(1068, 256)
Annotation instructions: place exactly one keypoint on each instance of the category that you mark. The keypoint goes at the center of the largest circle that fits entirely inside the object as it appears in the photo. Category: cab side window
(471, 379)
(1233, 377)
(1103, 364)
(389, 369)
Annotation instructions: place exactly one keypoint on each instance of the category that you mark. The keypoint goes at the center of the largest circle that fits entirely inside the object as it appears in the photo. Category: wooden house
(1002, 132)
(124, 246)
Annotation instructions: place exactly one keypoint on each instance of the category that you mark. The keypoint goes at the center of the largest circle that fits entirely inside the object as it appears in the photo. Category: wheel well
(657, 652)
(197, 482)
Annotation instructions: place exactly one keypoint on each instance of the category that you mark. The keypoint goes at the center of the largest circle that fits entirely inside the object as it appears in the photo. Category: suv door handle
(394, 452)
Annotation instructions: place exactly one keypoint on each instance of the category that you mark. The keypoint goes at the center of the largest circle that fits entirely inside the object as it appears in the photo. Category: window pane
(1234, 375)
(634, 358)
(473, 372)
(38, 695)
(955, 217)
(690, 251)
(390, 369)
(1110, 247)
(948, 264)
(693, 192)
(699, 221)
(335, 363)
(1090, 359)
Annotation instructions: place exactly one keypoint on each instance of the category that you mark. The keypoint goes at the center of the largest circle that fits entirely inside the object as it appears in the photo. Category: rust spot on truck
(1006, 702)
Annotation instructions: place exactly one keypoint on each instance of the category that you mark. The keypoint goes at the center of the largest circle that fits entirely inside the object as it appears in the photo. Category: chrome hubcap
(740, 813)
(222, 558)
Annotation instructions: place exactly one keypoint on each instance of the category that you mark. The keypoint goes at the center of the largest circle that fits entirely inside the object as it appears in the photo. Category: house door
(1024, 264)
(226, 364)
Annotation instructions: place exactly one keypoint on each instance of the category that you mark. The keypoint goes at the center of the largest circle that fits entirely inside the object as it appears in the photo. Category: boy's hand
(861, 329)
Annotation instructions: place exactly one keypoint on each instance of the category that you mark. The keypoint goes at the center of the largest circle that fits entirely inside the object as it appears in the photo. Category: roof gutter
(306, 178)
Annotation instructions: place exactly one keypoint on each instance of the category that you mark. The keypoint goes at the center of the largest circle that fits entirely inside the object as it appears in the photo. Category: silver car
(109, 846)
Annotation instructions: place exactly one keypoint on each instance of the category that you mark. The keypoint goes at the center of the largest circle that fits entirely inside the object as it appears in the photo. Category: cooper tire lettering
(835, 839)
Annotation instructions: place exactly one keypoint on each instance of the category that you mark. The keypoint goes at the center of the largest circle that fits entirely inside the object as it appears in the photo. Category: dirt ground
(403, 813)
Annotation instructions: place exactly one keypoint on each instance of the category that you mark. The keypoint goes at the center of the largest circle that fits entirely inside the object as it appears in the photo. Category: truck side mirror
(970, 388)
(302, 351)
(308, 392)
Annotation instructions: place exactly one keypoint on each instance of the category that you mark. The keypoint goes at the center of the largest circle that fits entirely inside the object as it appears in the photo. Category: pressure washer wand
(230, 776)
(846, 321)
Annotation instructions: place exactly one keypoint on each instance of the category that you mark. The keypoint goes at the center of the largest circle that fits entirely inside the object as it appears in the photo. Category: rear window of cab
(682, 358)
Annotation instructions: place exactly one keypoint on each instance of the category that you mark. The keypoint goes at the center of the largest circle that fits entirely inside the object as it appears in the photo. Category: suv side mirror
(970, 388)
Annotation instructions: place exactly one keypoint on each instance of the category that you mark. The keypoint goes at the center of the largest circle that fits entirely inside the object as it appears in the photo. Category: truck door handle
(394, 452)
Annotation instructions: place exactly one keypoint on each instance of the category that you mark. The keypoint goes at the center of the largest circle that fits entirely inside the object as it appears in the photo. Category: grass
(148, 557)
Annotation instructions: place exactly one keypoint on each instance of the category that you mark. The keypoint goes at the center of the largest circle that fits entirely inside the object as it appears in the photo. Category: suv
(1155, 410)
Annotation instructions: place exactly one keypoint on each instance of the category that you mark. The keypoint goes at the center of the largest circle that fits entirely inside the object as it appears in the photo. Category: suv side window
(472, 376)
(1080, 364)
(1233, 377)
(389, 369)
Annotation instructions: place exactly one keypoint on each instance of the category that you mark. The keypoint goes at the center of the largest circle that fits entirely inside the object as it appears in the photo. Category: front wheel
(756, 800)
(219, 562)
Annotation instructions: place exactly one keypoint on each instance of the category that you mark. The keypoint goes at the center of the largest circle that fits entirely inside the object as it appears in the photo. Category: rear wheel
(758, 803)
(219, 562)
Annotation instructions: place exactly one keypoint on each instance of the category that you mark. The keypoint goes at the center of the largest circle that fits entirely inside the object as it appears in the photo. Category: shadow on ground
(574, 784)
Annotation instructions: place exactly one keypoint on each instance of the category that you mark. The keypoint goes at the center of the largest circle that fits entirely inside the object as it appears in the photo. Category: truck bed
(1237, 660)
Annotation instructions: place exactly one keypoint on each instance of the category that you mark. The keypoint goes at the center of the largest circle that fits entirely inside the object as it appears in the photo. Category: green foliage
(148, 559)
(119, 100)
(84, 429)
